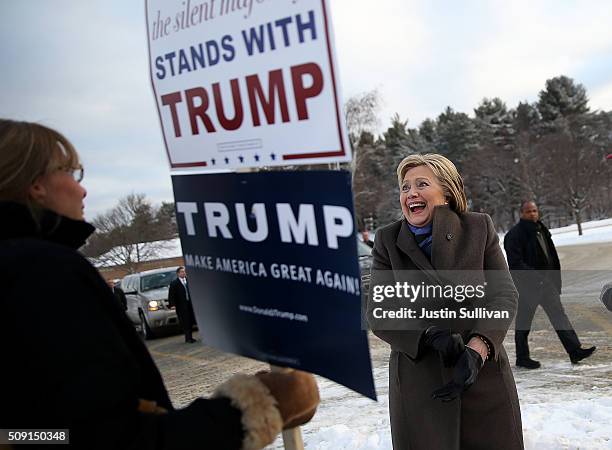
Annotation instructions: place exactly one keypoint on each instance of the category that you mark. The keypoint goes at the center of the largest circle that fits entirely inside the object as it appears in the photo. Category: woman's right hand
(444, 341)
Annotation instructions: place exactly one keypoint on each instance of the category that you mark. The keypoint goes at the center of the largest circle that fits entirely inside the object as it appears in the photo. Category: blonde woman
(450, 387)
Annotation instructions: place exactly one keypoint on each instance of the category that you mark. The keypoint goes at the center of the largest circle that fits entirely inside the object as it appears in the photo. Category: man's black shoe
(578, 355)
(190, 340)
(528, 363)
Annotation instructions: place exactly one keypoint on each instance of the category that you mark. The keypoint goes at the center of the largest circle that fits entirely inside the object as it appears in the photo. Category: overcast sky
(81, 67)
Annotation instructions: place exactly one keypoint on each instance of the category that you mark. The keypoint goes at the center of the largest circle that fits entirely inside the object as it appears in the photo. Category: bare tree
(362, 114)
(573, 164)
(128, 234)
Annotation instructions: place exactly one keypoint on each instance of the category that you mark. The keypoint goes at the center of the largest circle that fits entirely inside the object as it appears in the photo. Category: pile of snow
(573, 424)
(562, 407)
(597, 231)
(594, 232)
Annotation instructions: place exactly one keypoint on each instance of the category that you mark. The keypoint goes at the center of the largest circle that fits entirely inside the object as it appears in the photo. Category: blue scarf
(423, 237)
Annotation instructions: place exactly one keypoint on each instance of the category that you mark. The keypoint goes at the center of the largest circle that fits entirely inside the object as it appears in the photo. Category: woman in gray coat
(450, 384)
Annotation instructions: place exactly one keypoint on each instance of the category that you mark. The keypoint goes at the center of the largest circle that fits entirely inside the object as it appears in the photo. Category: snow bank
(563, 406)
(574, 424)
(597, 231)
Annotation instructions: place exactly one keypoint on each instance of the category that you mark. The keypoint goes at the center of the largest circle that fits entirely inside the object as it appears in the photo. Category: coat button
(449, 236)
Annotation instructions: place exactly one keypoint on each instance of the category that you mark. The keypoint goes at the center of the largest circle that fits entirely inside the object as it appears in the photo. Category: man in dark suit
(179, 297)
(118, 293)
(536, 270)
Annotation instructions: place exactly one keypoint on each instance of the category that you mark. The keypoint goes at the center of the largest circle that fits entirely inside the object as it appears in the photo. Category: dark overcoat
(177, 296)
(487, 416)
(72, 359)
(524, 254)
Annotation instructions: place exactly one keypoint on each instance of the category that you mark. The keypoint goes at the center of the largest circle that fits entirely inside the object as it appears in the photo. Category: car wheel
(145, 330)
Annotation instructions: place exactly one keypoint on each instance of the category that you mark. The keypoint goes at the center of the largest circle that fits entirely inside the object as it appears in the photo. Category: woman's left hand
(464, 376)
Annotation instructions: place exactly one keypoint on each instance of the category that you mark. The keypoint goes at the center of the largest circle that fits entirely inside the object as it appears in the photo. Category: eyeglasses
(75, 172)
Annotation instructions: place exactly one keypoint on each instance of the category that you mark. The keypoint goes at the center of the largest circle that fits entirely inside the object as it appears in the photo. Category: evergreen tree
(457, 136)
(526, 117)
(498, 122)
(562, 97)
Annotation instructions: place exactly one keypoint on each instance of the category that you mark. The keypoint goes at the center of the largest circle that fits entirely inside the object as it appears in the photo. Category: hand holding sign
(296, 393)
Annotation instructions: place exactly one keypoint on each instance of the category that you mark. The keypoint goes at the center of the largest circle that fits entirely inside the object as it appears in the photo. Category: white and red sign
(246, 83)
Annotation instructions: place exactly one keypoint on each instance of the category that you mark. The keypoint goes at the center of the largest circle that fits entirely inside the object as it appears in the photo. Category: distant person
(365, 236)
(118, 293)
(79, 364)
(536, 270)
(179, 297)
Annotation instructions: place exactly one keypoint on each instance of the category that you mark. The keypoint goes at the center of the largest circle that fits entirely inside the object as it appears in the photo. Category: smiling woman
(450, 384)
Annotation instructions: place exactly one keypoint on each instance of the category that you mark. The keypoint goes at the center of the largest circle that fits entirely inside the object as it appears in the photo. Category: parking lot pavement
(194, 370)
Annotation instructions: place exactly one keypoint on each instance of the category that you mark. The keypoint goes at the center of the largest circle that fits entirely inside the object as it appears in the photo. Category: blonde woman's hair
(446, 173)
(28, 151)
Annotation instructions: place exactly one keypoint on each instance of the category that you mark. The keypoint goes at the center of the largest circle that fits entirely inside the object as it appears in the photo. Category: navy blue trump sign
(271, 260)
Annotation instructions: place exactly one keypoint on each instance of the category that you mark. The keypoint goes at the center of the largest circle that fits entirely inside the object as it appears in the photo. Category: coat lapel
(406, 243)
(446, 235)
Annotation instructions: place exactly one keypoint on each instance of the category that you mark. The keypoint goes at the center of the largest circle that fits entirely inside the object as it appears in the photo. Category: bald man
(536, 271)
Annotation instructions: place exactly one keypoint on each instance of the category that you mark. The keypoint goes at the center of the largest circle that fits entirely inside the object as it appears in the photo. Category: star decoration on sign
(241, 158)
(226, 160)
(256, 157)
(212, 161)
(273, 156)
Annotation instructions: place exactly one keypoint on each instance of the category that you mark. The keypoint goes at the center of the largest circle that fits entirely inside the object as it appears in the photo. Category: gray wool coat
(487, 416)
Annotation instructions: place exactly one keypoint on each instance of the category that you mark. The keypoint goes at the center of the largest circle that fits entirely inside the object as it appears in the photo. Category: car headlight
(153, 305)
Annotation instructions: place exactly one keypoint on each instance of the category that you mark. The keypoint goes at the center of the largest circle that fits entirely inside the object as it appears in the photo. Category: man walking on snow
(535, 268)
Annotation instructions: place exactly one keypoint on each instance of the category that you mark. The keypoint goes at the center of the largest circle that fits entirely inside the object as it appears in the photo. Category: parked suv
(147, 300)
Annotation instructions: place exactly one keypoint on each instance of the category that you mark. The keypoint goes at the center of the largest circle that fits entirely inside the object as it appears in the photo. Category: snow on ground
(573, 424)
(563, 406)
(593, 232)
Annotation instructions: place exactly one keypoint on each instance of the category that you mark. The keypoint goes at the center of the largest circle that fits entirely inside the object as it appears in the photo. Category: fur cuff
(261, 419)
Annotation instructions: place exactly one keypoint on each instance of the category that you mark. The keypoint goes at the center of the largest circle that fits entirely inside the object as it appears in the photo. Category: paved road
(192, 370)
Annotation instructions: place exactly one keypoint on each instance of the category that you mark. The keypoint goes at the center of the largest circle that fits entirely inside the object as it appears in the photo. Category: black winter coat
(177, 296)
(70, 357)
(524, 253)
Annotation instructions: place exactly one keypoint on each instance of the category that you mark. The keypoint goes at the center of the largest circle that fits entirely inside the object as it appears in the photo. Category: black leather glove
(448, 344)
(464, 376)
